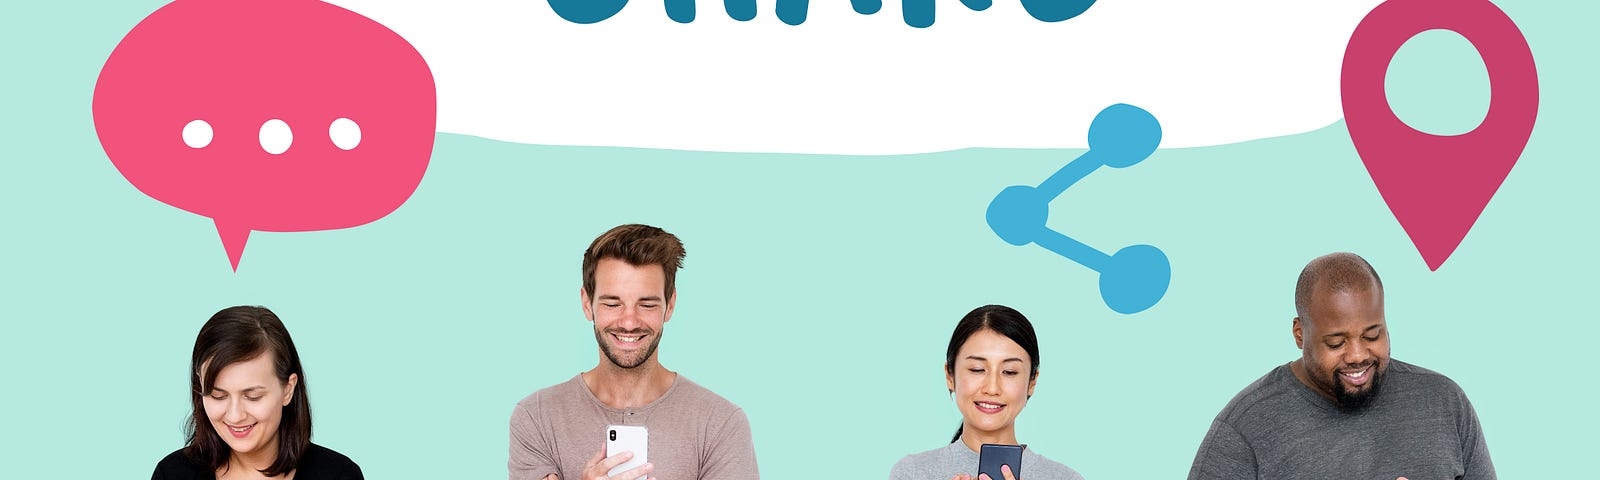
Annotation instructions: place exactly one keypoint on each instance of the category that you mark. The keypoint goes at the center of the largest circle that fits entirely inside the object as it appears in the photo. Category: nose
(991, 383)
(1359, 353)
(234, 415)
(632, 318)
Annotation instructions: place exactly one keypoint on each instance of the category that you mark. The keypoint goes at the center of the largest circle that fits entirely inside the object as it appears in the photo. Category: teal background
(818, 293)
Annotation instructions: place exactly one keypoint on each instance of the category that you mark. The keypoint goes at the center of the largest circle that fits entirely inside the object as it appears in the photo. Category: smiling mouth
(628, 340)
(1358, 377)
(240, 432)
(987, 407)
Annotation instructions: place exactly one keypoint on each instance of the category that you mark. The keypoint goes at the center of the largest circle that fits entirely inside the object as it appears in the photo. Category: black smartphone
(991, 457)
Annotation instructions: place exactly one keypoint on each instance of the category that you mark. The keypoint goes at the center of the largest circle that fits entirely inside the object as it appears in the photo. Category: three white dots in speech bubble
(275, 135)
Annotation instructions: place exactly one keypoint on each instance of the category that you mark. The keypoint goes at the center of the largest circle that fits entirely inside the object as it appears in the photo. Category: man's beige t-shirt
(694, 434)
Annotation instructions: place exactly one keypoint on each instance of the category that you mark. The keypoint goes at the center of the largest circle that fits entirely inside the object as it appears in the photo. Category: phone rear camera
(613, 435)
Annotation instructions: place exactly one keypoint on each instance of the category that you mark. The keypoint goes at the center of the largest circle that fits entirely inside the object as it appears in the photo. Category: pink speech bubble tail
(233, 239)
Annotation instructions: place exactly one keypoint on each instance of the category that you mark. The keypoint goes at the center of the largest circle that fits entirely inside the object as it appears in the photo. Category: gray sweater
(954, 459)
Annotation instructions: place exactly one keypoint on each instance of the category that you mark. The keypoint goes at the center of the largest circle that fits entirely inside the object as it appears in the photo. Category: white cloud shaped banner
(843, 82)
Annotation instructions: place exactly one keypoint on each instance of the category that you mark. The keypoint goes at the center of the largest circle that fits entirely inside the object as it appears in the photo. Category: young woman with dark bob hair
(251, 417)
(990, 367)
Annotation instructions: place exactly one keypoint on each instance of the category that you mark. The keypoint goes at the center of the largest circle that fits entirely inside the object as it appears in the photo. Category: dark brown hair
(1002, 320)
(238, 334)
(639, 245)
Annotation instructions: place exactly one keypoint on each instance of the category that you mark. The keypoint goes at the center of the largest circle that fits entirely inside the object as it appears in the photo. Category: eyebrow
(651, 298)
(982, 359)
(1342, 335)
(246, 390)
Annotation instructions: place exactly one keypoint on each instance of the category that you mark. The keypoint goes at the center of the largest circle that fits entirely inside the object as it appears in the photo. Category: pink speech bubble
(1437, 185)
(281, 116)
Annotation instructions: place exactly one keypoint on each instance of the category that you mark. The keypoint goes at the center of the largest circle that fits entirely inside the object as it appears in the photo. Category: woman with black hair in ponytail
(991, 367)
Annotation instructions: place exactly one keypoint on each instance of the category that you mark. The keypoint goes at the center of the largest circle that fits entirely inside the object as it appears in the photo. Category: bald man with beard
(1344, 409)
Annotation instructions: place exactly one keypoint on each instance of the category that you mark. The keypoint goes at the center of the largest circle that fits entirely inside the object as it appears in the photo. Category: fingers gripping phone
(991, 457)
(620, 438)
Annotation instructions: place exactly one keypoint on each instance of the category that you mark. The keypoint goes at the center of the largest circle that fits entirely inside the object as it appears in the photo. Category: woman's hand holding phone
(1005, 470)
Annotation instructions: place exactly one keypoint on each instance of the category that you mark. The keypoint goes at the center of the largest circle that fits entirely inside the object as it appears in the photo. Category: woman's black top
(317, 463)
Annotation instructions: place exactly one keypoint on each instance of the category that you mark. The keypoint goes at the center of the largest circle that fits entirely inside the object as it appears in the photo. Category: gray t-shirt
(1420, 427)
(694, 434)
(955, 459)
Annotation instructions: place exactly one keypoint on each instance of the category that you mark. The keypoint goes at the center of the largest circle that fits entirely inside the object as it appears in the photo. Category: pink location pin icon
(1437, 185)
(282, 116)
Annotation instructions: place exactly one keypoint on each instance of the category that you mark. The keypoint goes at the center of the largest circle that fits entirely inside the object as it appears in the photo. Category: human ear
(1299, 334)
(288, 390)
(1033, 382)
(672, 302)
(583, 301)
(949, 379)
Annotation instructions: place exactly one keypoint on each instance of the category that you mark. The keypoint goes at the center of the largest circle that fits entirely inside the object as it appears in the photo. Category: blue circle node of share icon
(1018, 213)
(1135, 279)
(1124, 135)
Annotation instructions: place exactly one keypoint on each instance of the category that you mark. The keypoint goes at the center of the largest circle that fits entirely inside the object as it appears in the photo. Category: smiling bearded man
(559, 433)
(1344, 409)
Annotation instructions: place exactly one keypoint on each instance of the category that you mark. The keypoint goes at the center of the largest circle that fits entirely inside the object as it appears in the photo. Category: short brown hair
(639, 245)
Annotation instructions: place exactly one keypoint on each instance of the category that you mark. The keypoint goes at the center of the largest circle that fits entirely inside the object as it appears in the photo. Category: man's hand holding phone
(596, 468)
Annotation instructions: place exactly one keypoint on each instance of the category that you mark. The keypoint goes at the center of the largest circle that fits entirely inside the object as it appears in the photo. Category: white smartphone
(621, 438)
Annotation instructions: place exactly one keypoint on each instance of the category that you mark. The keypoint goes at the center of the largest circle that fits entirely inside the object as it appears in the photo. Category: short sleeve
(1475, 451)
(531, 456)
(730, 451)
(1224, 455)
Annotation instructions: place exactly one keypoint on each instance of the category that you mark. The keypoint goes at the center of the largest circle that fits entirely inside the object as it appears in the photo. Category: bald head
(1334, 272)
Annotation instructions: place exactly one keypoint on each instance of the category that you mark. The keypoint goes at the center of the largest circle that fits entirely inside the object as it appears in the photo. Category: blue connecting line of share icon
(1134, 278)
